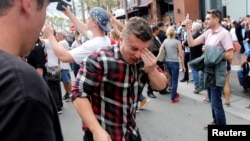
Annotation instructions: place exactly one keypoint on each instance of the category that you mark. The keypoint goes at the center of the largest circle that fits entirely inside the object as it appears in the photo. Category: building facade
(174, 11)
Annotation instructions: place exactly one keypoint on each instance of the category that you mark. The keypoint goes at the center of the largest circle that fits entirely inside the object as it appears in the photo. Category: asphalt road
(163, 121)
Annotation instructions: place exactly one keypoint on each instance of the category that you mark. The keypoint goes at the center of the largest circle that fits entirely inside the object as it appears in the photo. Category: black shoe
(151, 94)
(164, 92)
(184, 80)
(197, 90)
(66, 97)
(59, 110)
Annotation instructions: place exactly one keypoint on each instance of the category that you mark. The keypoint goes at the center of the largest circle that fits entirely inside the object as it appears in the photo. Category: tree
(155, 11)
(88, 4)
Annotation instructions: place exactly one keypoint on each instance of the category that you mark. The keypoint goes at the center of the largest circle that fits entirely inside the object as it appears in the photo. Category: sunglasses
(214, 12)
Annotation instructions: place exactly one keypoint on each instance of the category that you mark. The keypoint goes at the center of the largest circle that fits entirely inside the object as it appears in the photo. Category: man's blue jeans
(196, 78)
(241, 77)
(173, 68)
(142, 97)
(218, 113)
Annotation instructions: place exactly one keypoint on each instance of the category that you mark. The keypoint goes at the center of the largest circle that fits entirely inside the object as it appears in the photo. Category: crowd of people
(112, 63)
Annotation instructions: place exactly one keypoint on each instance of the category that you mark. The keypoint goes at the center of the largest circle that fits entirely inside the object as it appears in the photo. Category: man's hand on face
(149, 60)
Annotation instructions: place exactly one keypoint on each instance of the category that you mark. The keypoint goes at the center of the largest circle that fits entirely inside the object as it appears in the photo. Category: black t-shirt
(162, 35)
(27, 109)
(37, 57)
(195, 51)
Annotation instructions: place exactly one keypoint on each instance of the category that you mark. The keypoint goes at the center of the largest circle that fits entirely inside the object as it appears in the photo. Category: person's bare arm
(191, 41)
(40, 71)
(80, 26)
(181, 56)
(61, 53)
(115, 21)
(85, 111)
(229, 55)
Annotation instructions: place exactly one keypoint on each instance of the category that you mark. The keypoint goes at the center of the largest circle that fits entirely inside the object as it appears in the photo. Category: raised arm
(191, 41)
(62, 53)
(80, 26)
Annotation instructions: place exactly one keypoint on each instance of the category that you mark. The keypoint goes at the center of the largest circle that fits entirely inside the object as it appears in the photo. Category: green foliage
(102, 3)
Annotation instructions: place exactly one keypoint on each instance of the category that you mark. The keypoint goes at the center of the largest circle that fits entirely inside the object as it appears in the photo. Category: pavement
(161, 120)
(239, 98)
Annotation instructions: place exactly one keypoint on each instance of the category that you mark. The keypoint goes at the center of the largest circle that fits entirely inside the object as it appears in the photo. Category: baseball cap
(101, 16)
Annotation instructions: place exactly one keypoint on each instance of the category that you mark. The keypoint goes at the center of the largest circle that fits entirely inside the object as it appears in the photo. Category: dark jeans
(55, 88)
(173, 68)
(89, 137)
(75, 68)
(186, 60)
(218, 113)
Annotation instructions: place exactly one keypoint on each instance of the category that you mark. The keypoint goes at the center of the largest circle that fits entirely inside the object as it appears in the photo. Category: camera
(62, 3)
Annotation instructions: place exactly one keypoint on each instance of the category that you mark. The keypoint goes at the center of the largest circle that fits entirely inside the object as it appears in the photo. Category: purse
(237, 46)
(53, 73)
(162, 54)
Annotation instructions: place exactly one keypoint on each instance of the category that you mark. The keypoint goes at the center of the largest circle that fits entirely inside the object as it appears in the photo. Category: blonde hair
(170, 32)
(114, 35)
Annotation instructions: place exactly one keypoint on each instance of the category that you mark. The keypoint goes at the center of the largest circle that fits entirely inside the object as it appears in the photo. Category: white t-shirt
(65, 44)
(233, 34)
(52, 59)
(75, 44)
(88, 47)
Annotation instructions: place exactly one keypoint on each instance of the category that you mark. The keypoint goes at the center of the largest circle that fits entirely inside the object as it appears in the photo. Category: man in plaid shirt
(110, 81)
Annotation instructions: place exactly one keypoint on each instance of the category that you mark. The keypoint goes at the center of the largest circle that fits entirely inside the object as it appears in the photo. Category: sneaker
(177, 95)
(59, 110)
(163, 92)
(151, 94)
(176, 100)
(169, 88)
(137, 110)
(66, 97)
(144, 103)
(197, 90)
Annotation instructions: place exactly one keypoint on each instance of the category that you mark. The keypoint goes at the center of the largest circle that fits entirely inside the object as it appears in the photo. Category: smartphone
(62, 3)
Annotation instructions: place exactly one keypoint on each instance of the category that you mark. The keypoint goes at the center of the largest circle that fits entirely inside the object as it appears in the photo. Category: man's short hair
(154, 28)
(196, 26)
(138, 27)
(216, 14)
(5, 4)
(160, 24)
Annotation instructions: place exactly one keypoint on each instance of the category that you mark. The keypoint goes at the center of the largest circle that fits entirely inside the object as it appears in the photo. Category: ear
(26, 6)
(120, 39)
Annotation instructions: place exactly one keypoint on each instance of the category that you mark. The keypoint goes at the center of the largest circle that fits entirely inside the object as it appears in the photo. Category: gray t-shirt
(171, 48)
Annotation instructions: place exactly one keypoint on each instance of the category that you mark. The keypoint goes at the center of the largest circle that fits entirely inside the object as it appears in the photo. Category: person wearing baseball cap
(101, 16)
(94, 29)
(27, 108)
